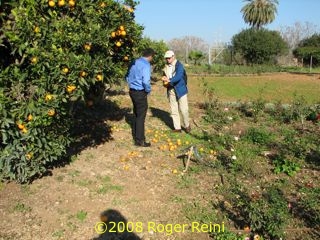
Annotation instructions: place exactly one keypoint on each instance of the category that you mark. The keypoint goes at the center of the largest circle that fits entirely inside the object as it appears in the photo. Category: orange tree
(58, 51)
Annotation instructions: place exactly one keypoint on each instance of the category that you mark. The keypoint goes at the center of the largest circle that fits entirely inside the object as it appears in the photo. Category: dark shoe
(143, 144)
(176, 130)
(187, 129)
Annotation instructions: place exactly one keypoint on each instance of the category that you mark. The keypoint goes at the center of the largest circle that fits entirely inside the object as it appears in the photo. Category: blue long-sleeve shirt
(139, 74)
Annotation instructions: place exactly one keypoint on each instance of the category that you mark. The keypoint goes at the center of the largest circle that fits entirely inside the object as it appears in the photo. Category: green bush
(307, 48)
(266, 213)
(258, 136)
(59, 51)
(259, 46)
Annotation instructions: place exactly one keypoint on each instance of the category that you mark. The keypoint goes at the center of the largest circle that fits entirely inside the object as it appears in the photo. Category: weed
(283, 165)
(21, 207)
(106, 185)
(227, 235)
(60, 178)
(186, 181)
(309, 205)
(74, 173)
(197, 212)
(58, 234)
(81, 215)
(84, 182)
(258, 136)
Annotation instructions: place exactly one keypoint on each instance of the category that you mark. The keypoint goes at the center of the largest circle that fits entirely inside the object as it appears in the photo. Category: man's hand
(165, 79)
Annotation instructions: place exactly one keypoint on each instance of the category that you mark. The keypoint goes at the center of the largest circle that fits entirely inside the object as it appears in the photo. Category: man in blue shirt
(138, 78)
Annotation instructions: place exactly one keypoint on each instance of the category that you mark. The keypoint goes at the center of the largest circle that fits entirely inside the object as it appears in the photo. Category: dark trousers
(140, 107)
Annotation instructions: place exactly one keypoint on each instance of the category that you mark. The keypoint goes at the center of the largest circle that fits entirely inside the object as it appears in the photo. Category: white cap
(169, 54)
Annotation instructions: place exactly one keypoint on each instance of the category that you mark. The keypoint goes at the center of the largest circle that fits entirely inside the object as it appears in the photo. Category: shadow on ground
(163, 116)
(90, 127)
(114, 226)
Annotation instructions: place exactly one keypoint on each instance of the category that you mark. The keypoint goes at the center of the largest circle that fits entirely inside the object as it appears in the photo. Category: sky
(214, 20)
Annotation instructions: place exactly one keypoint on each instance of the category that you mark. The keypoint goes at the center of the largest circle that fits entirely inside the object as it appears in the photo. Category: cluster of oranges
(125, 159)
(120, 33)
(168, 144)
(62, 3)
(129, 9)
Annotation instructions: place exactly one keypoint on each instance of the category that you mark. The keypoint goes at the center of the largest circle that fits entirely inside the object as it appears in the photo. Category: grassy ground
(275, 87)
(235, 184)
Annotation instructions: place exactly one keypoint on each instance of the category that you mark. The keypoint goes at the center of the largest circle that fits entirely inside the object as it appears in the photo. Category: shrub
(259, 46)
(59, 52)
(258, 136)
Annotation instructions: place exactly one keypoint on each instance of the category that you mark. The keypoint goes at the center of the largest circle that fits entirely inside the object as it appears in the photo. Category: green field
(272, 88)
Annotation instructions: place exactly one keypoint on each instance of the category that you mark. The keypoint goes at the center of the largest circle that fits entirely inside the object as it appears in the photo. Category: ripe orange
(30, 117)
(24, 130)
(20, 126)
(71, 88)
(113, 34)
(48, 97)
(34, 60)
(51, 3)
(126, 58)
(61, 3)
(123, 33)
(65, 70)
(99, 77)
(83, 74)
(87, 47)
(72, 3)
(118, 44)
(28, 156)
(36, 29)
(51, 112)
(121, 28)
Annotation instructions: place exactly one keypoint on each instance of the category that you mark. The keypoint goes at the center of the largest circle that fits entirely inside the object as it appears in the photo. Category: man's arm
(178, 76)
(146, 75)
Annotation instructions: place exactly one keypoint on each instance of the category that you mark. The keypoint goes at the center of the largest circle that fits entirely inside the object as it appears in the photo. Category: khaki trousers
(176, 106)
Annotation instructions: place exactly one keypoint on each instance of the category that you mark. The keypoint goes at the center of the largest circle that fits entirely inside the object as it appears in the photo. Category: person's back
(138, 78)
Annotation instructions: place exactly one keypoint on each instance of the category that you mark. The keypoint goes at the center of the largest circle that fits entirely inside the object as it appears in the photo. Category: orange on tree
(103, 5)
(71, 88)
(83, 74)
(65, 70)
(29, 156)
(113, 34)
(99, 77)
(51, 3)
(30, 117)
(48, 97)
(118, 44)
(36, 29)
(87, 47)
(51, 112)
(126, 58)
(72, 3)
(123, 33)
(34, 60)
(121, 28)
(61, 3)
(20, 126)
(24, 130)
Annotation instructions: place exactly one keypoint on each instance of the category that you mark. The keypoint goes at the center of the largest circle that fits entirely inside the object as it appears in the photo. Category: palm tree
(259, 12)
